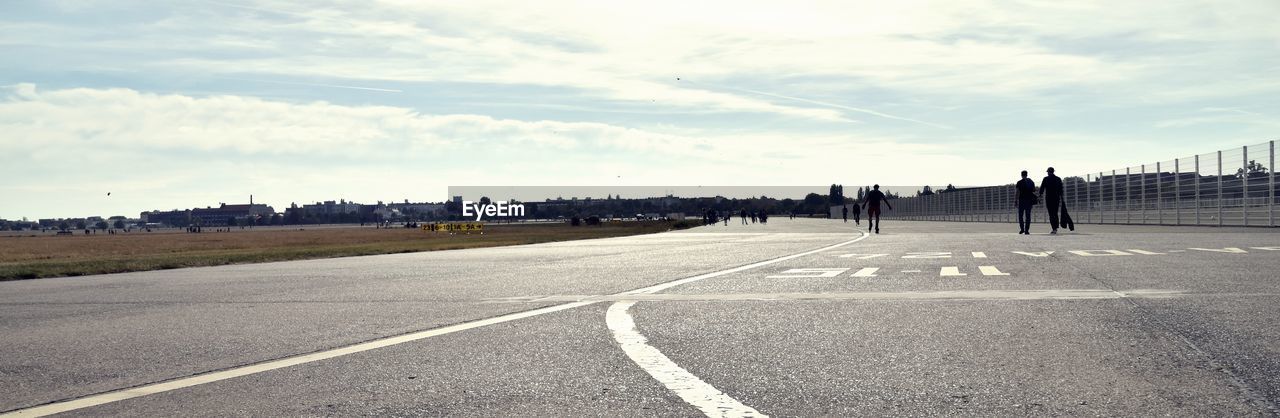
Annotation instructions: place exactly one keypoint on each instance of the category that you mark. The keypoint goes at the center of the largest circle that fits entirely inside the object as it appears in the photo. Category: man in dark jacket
(1026, 198)
(1051, 190)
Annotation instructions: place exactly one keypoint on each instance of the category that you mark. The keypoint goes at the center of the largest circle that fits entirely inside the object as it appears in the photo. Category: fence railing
(1236, 187)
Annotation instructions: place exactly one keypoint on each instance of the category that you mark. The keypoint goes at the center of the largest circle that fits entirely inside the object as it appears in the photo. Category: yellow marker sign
(454, 227)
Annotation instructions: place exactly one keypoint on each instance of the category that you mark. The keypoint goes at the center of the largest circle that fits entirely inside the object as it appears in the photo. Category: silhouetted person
(743, 215)
(874, 198)
(857, 214)
(844, 210)
(1025, 198)
(1051, 190)
(754, 216)
(764, 217)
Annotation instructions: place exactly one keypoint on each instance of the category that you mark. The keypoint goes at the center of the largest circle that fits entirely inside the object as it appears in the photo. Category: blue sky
(190, 103)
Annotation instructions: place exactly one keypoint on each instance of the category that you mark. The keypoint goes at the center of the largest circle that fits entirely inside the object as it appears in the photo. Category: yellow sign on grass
(454, 227)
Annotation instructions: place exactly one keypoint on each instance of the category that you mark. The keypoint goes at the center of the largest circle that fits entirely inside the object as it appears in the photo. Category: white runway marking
(693, 390)
(705, 397)
(866, 272)
(152, 389)
(129, 393)
(991, 271)
(979, 254)
(951, 271)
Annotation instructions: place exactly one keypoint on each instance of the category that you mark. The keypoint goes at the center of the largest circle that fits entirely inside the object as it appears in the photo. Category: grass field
(45, 255)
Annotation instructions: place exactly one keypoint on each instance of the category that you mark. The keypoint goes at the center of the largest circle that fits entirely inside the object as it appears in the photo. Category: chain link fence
(1235, 187)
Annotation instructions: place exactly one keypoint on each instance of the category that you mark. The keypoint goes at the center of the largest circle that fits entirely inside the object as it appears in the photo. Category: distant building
(330, 207)
(208, 216)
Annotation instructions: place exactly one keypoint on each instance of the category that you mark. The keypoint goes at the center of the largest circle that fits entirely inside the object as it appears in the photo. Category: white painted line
(979, 254)
(861, 256)
(911, 271)
(1177, 251)
(809, 273)
(1230, 250)
(951, 271)
(693, 390)
(1098, 253)
(129, 393)
(152, 389)
(1266, 248)
(866, 272)
(928, 255)
(1035, 254)
(1144, 252)
(991, 271)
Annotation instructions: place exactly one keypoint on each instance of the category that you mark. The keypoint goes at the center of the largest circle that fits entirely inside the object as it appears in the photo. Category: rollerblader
(874, 198)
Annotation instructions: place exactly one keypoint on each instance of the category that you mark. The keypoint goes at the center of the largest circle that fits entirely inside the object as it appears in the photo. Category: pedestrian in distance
(857, 214)
(844, 209)
(1051, 190)
(1025, 198)
(874, 198)
(743, 215)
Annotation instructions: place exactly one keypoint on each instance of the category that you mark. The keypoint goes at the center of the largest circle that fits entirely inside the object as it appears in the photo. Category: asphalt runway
(800, 317)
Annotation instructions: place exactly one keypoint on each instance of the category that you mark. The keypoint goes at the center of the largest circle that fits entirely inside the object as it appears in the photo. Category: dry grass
(27, 257)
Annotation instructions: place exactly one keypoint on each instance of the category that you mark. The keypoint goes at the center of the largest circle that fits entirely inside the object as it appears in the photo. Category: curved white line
(693, 390)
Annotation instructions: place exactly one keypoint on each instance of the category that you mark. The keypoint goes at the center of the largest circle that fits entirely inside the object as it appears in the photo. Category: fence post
(1244, 186)
(1128, 196)
(1177, 191)
(1142, 195)
(1197, 189)
(1114, 218)
(1271, 184)
(1219, 188)
(1159, 196)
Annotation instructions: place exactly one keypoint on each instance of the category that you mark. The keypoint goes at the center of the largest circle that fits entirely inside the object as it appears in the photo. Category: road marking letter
(866, 272)
(991, 271)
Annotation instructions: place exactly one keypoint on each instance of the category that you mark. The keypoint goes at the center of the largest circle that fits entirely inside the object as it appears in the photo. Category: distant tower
(250, 200)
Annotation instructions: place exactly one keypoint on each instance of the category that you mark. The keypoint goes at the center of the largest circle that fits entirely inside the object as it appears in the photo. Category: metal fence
(1236, 187)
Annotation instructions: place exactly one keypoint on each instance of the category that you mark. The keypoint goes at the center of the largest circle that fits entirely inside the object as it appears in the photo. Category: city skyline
(175, 105)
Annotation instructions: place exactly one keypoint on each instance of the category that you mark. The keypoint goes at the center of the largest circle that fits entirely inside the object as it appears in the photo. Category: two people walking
(1051, 191)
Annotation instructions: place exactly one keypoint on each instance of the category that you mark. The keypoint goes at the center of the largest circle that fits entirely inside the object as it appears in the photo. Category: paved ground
(804, 317)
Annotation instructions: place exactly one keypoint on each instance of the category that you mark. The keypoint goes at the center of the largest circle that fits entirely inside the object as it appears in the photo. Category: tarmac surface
(798, 317)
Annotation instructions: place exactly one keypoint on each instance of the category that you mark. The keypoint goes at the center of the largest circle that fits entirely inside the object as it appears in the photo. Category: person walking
(1025, 197)
(844, 210)
(874, 198)
(857, 214)
(743, 215)
(1051, 190)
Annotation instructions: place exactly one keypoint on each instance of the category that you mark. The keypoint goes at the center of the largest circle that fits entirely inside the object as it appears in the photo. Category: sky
(179, 104)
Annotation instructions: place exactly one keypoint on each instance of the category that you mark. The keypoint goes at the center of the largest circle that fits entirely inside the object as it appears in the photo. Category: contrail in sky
(336, 86)
(828, 104)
